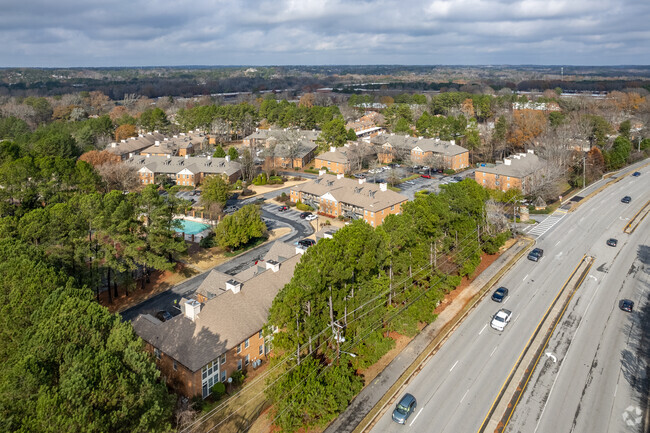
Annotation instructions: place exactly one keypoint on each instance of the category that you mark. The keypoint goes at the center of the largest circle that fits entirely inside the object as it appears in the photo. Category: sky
(76, 33)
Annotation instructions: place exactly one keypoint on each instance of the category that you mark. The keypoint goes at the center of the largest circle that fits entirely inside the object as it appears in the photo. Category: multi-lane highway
(597, 373)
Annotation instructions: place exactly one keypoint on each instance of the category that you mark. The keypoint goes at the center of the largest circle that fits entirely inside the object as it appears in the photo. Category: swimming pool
(191, 227)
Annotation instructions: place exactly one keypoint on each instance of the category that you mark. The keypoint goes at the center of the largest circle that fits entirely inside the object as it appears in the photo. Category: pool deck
(198, 236)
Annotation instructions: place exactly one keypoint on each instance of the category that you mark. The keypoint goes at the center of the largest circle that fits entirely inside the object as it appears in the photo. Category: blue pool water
(191, 227)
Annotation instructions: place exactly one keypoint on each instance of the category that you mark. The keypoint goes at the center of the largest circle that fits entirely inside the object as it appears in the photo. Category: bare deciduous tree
(118, 176)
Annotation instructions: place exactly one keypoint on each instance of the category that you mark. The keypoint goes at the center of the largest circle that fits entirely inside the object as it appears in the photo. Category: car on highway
(536, 254)
(501, 319)
(283, 208)
(626, 305)
(612, 242)
(163, 315)
(426, 176)
(500, 294)
(636, 174)
(404, 409)
(304, 215)
(311, 217)
(626, 199)
(306, 243)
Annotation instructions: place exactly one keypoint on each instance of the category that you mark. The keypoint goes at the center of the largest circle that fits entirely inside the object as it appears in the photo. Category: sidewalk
(372, 399)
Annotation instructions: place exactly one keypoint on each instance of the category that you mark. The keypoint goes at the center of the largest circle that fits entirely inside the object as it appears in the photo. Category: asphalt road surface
(456, 387)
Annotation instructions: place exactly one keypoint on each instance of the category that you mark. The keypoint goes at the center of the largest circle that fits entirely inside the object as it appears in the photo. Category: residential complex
(155, 143)
(221, 331)
(427, 151)
(339, 196)
(336, 160)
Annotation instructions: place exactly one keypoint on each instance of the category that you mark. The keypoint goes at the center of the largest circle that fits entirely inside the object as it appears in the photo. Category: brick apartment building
(220, 331)
(518, 171)
(265, 137)
(339, 196)
(423, 151)
(155, 143)
(184, 170)
(284, 155)
(336, 160)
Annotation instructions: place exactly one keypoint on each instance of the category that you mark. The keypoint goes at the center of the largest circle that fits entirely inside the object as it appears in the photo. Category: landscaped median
(437, 333)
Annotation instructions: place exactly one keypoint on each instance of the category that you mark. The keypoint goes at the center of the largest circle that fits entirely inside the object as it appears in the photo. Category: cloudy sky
(60, 33)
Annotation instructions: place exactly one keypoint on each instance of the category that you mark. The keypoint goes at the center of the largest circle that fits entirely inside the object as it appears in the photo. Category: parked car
(501, 319)
(458, 178)
(426, 176)
(230, 209)
(500, 294)
(612, 242)
(636, 174)
(404, 409)
(440, 171)
(626, 305)
(626, 199)
(408, 182)
(194, 192)
(306, 243)
(163, 315)
(536, 254)
(311, 217)
(283, 208)
(305, 215)
(360, 176)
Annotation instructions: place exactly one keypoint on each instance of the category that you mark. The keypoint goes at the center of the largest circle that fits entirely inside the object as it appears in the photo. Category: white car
(311, 217)
(501, 319)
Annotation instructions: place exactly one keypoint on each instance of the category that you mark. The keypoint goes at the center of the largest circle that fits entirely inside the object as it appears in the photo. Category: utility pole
(584, 170)
(298, 335)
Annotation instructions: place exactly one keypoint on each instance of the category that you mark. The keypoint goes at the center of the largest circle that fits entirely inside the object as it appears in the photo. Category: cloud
(258, 32)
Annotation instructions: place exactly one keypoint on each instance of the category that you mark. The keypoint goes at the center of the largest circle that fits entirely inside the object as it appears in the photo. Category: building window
(239, 364)
(508, 184)
(392, 207)
(156, 353)
(239, 348)
(223, 375)
(175, 365)
(247, 360)
(497, 183)
(246, 344)
(508, 177)
(483, 180)
(261, 351)
(261, 334)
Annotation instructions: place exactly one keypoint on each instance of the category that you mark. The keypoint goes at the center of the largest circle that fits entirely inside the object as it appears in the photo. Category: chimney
(156, 131)
(192, 309)
(531, 151)
(122, 141)
(165, 139)
(437, 139)
(517, 156)
(420, 138)
(383, 186)
(175, 136)
(321, 172)
(507, 161)
(257, 129)
(339, 175)
(227, 158)
(453, 142)
(362, 181)
(332, 149)
(130, 155)
(156, 143)
(187, 156)
(169, 156)
(273, 265)
(300, 250)
(209, 157)
(233, 285)
(113, 144)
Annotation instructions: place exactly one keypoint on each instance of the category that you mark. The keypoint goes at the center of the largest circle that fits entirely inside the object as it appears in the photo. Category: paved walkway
(373, 393)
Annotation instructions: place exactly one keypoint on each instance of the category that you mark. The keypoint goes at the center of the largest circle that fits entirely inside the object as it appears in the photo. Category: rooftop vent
(383, 186)
(362, 181)
(507, 161)
(339, 175)
(273, 265)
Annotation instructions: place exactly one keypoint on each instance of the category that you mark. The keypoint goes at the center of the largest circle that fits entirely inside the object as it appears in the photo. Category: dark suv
(305, 215)
(306, 243)
(536, 254)
(626, 199)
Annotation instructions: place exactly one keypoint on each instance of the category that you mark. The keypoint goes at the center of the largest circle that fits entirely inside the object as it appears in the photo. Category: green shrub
(198, 403)
(238, 377)
(449, 172)
(208, 241)
(296, 168)
(218, 390)
(275, 180)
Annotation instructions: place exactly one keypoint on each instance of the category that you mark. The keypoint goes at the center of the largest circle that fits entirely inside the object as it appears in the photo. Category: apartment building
(423, 151)
(339, 196)
(336, 160)
(221, 331)
(518, 171)
(184, 170)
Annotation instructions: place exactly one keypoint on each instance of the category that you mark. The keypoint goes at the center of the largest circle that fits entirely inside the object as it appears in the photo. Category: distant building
(336, 160)
(265, 137)
(339, 196)
(539, 106)
(518, 171)
(155, 143)
(446, 154)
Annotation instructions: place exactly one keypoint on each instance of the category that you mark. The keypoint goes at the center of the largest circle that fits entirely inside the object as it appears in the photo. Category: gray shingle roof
(521, 165)
(366, 195)
(224, 321)
(447, 148)
(175, 164)
(340, 156)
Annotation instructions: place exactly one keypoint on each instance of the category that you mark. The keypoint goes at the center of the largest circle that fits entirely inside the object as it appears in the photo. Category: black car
(306, 243)
(283, 208)
(626, 305)
(500, 294)
(612, 242)
(536, 254)
(193, 193)
(636, 174)
(163, 315)
(305, 215)
(626, 199)
(458, 178)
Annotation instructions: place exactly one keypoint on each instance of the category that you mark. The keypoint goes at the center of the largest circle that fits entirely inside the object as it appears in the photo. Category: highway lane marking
(516, 318)
(464, 395)
(615, 389)
(557, 243)
(416, 417)
(493, 350)
(525, 277)
(452, 367)
(506, 300)
(482, 329)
